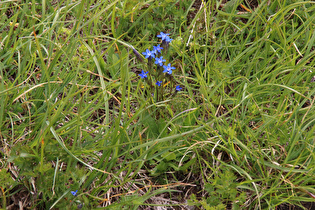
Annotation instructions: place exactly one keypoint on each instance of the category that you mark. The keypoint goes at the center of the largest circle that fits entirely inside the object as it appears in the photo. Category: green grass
(75, 115)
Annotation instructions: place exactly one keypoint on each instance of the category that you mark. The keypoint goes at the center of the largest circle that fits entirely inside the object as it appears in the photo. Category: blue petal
(178, 88)
(74, 192)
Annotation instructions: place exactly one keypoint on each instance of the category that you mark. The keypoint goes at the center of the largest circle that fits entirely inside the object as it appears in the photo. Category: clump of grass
(76, 132)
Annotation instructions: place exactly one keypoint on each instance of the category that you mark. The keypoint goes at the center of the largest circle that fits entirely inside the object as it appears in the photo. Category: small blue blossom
(158, 83)
(157, 49)
(168, 39)
(168, 69)
(148, 54)
(159, 61)
(74, 193)
(178, 88)
(143, 74)
(154, 52)
(163, 36)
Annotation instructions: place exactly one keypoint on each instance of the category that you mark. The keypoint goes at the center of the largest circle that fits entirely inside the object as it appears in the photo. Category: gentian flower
(168, 39)
(168, 69)
(159, 61)
(163, 36)
(165, 40)
(143, 74)
(74, 193)
(148, 54)
(158, 83)
(157, 49)
(178, 88)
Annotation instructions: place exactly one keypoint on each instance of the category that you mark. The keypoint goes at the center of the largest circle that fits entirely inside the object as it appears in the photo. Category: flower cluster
(161, 75)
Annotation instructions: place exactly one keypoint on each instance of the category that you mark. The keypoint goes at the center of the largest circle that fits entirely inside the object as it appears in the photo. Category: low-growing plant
(159, 77)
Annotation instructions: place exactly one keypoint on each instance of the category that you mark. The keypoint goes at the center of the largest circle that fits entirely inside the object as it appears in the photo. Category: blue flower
(74, 193)
(148, 54)
(163, 36)
(168, 40)
(158, 83)
(157, 49)
(178, 88)
(143, 74)
(159, 61)
(168, 69)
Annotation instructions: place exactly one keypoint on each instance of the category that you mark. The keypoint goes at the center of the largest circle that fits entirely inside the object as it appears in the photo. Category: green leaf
(168, 156)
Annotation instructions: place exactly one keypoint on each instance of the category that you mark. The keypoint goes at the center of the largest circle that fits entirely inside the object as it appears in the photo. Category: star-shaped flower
(159, 61)
(143, 74)
(168, 39)
(178, 88)
(157, 49)
(163, 36)
(148, 54)
(74, 193)
(168, 69)
(158, 83)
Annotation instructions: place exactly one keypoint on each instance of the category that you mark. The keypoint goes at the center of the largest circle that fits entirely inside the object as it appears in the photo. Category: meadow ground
(94, 114)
